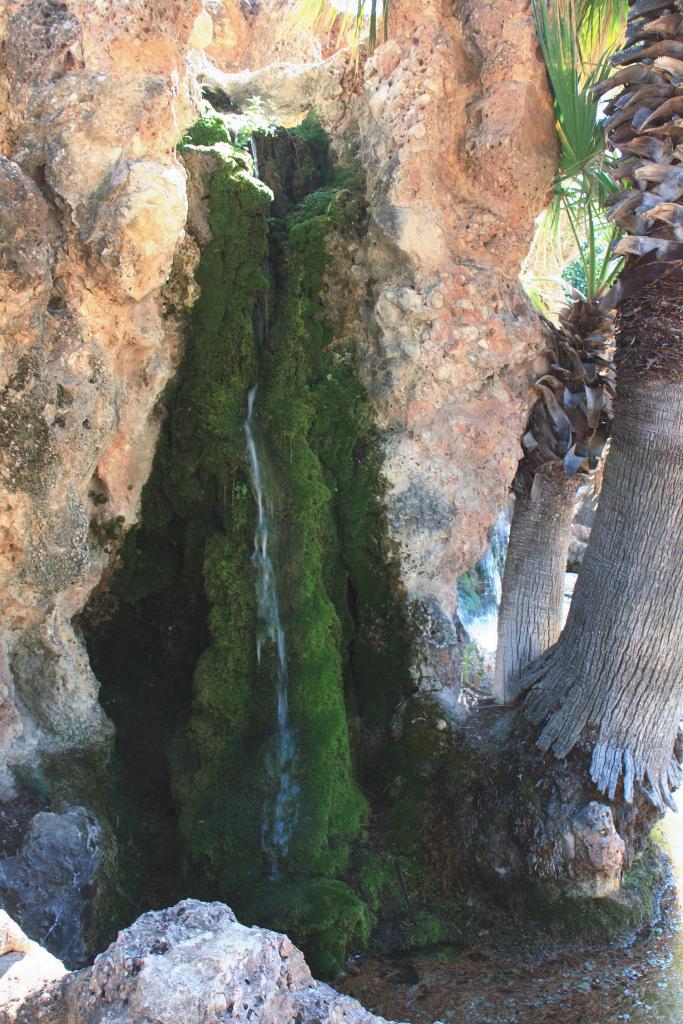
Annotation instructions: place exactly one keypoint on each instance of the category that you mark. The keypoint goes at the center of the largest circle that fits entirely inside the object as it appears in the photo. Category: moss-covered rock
(195, 710)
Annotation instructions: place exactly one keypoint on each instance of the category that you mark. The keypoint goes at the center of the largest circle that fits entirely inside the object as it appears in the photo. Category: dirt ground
(641, 983)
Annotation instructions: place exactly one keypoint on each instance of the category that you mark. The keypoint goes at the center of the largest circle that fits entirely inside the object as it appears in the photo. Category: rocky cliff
(452, 125)
(93, 208)
(448, 131)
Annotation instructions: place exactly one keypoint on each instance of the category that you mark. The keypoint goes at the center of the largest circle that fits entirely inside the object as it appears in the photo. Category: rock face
(92, 211)
(194, 964)
(457, 137)
(453, 128)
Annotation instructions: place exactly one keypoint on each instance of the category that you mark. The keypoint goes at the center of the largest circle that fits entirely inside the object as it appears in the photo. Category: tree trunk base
(561, 828)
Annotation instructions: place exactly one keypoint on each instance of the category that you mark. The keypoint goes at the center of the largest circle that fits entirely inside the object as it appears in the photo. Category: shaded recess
(173, 640)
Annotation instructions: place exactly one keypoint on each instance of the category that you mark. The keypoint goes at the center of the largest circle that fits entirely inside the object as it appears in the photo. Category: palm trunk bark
(615, 677)
(530, 617)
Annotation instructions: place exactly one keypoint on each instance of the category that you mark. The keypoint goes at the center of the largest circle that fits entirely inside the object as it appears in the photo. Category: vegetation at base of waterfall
(433, 870)
(503, 975)
(174, 640)
(473, 665)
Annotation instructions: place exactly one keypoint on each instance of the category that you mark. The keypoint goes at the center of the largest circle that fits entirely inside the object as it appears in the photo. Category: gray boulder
(194, 964)
(49, 885)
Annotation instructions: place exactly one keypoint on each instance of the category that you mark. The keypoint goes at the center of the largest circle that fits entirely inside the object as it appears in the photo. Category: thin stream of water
(279, 811)
(280, 806)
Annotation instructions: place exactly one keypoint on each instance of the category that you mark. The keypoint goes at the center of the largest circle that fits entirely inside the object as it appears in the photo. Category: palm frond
(582, 183)
(354, 23)
(576, 108)
(601, 25)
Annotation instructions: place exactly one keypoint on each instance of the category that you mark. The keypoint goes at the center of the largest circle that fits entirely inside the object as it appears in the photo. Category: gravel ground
(639, 983)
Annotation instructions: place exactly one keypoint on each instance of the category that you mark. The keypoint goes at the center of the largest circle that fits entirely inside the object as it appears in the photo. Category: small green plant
(472, 664)
(257, 121)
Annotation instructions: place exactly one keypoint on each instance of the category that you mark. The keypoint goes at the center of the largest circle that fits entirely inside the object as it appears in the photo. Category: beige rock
(139, 221)
(202, 31)
(25, 968)
(454, 185)
(12, 939)
(230, 30)
(596, 851)
(92, 213)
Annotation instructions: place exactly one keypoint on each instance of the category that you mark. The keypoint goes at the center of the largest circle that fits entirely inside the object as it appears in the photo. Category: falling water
(280, 809)
(254, 155)
(482, 624)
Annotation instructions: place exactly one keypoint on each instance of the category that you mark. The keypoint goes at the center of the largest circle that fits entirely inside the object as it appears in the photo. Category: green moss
(324, 916)
(206, 132)
(576, 918)
(195, 712)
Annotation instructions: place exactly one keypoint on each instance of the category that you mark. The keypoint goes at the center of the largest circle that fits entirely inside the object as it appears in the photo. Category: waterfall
(254, 155)
(279, 810)
(479, 592)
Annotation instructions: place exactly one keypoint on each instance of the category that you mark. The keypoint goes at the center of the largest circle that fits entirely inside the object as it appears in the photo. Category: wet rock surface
(48, 885)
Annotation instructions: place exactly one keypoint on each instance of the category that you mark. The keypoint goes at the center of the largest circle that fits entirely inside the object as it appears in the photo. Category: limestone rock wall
(93, 98)
(456, 135)
(452, 124)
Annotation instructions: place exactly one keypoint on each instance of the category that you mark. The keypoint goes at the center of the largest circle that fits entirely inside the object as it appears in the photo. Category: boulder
(25, 968)
(194, 964)
(49, 884)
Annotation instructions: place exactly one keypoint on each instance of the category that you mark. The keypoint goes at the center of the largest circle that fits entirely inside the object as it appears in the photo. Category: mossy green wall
(392, 803)
(195, 713)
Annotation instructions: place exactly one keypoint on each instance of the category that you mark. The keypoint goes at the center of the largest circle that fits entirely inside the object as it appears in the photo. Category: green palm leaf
(353, 25)
(569, 32)
(600, 27)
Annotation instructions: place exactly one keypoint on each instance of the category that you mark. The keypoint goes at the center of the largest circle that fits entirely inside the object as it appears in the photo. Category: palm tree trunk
(530, 617)
(615, 677)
